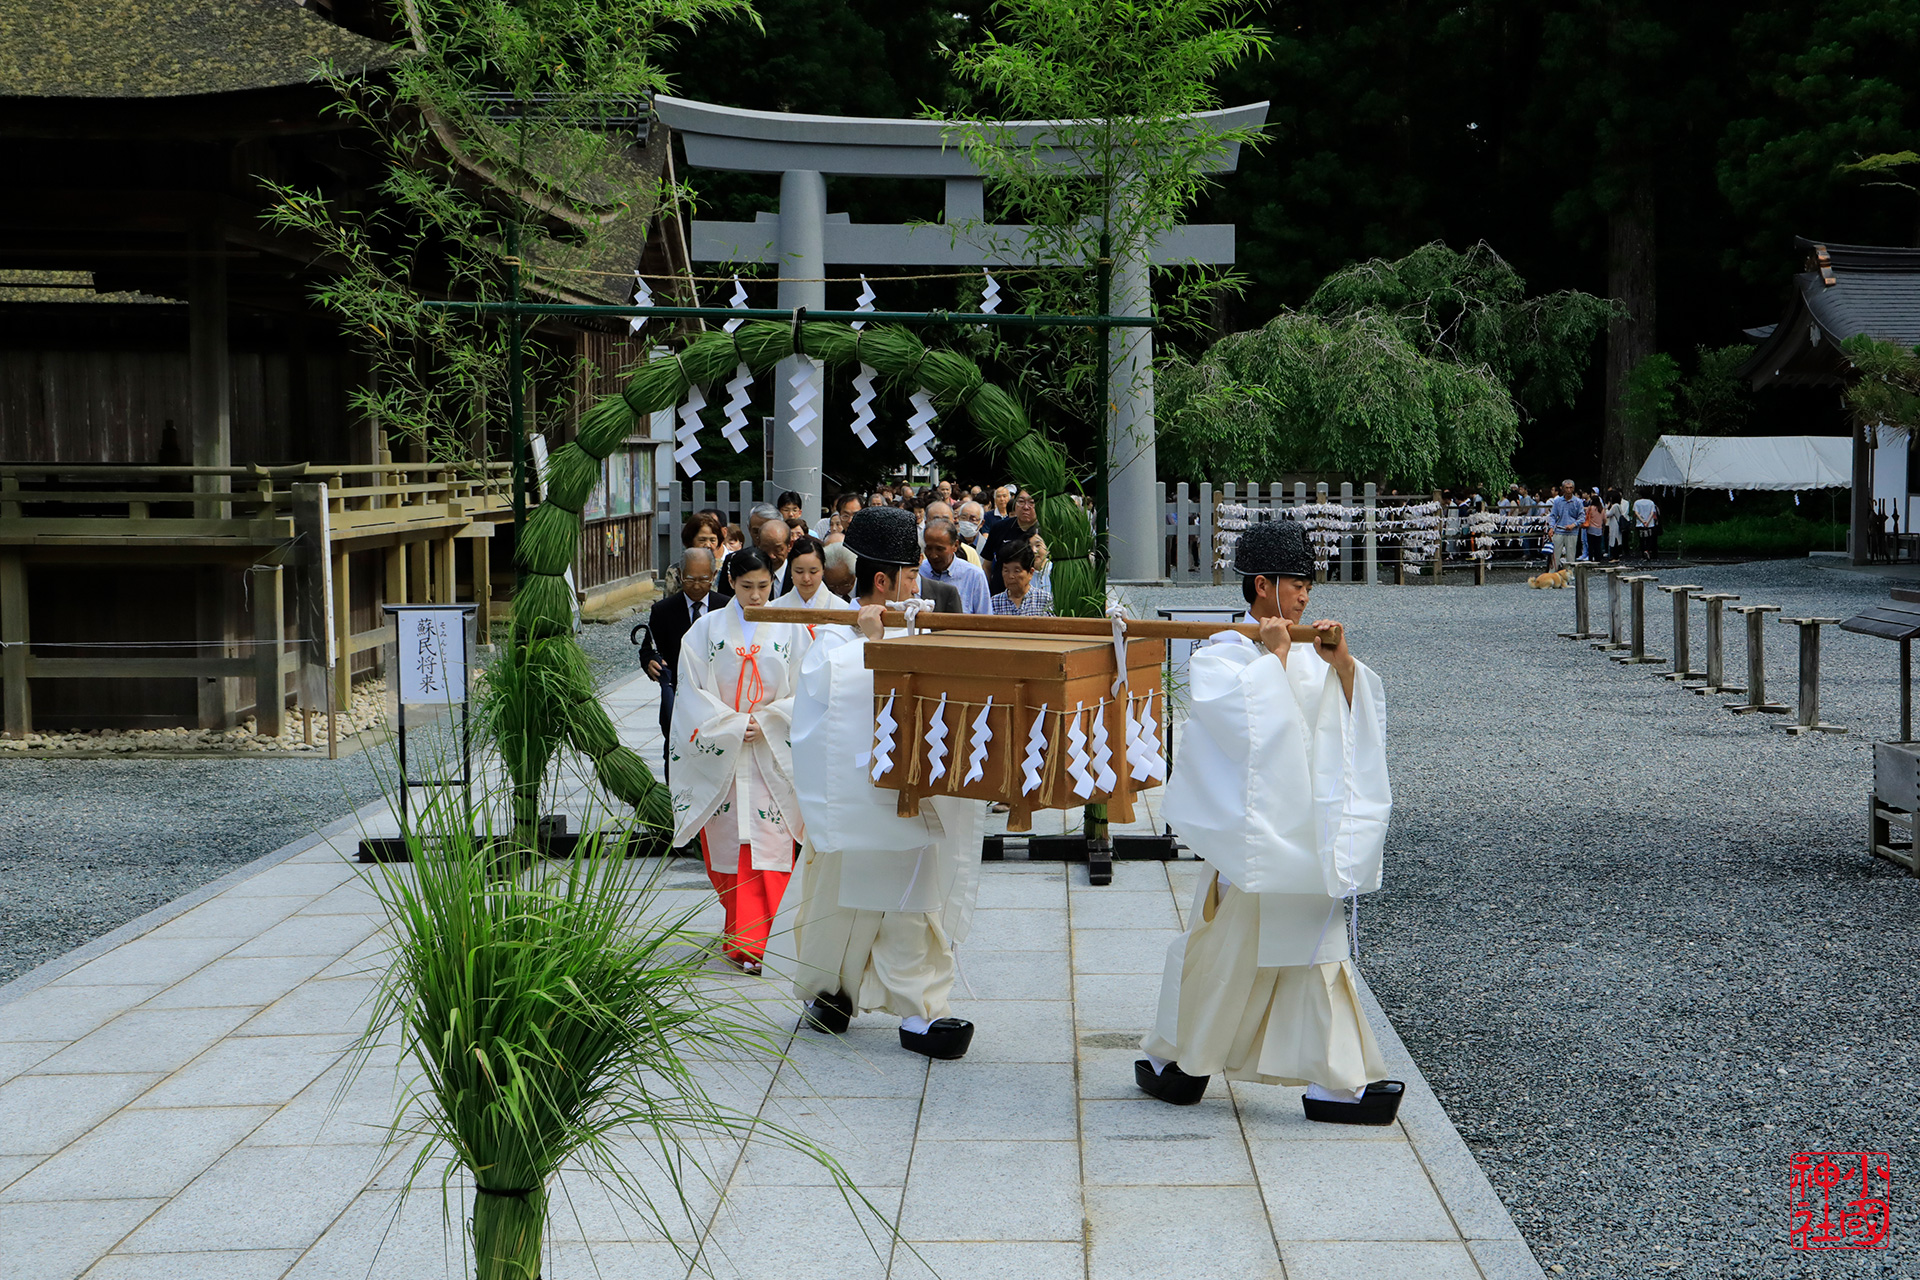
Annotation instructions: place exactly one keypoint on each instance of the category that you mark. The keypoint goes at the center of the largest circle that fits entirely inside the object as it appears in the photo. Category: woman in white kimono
(733, 759)
(806, 570)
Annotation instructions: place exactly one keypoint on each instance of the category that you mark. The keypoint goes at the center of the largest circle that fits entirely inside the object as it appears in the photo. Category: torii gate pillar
(803, 254)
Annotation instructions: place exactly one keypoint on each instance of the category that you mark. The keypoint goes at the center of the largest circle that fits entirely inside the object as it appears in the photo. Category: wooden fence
(1189, 513)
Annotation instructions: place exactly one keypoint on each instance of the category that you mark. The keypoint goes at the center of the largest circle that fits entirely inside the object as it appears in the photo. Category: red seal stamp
(1840, 1200)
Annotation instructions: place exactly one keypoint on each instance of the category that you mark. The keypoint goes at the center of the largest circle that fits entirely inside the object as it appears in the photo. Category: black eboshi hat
(1274, 549)
(886, 535)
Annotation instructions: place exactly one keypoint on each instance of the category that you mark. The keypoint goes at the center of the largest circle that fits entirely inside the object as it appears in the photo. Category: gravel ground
(86, 845)
(1636, 942)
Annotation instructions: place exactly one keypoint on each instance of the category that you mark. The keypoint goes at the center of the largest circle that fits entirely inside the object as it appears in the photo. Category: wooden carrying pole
(1092, 628)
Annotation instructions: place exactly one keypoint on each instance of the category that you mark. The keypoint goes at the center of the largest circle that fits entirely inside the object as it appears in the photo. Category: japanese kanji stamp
(1840, 1199)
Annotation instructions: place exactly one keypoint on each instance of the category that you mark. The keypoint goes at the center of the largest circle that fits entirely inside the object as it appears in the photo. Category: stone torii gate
(803, 239)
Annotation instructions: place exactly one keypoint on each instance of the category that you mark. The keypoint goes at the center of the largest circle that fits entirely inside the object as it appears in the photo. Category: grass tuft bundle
(1065, 527)
(625, 775)
(542, 607)
(589, 727)
(605, 425)
(1077, 589)
(556, 1012)
(1038, 465)
(549, 541)
(570, 477)
(656, 386)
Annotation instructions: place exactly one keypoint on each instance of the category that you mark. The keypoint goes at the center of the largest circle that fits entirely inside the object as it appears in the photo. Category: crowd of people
(1584, 525)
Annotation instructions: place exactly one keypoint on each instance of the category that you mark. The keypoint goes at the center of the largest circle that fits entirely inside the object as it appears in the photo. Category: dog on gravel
(1556, 580)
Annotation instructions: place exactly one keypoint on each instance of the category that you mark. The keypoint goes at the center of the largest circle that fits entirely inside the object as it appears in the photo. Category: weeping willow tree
(1419, 371)
(562, 706)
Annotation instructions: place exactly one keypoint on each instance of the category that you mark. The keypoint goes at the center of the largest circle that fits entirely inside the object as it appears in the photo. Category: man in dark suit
(945, 596)
(668, 621)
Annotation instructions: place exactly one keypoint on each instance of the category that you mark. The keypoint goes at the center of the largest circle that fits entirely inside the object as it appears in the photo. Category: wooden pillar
(209, 371)
(342, 629)
(214, 606)
(482, 551)
(419, 580)
(17, 720)
(269, 642)
(444, 588)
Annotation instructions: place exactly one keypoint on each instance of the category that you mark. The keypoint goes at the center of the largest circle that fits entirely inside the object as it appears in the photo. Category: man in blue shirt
(943, 564)
(1565, 516)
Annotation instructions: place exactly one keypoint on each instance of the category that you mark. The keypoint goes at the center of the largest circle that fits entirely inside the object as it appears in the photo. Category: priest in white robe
(879, 901)
(732, 758)
(1281, 785)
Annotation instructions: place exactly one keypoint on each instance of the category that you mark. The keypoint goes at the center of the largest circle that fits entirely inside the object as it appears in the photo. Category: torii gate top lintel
(743, 141)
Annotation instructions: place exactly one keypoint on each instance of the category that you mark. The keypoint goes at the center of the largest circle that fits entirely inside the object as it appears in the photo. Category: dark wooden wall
(82, 382)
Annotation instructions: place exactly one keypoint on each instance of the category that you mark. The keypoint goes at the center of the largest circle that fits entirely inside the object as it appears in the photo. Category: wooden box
(1069, 679)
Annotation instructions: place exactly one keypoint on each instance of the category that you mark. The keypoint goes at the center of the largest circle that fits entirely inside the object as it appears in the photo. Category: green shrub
(1763, 536)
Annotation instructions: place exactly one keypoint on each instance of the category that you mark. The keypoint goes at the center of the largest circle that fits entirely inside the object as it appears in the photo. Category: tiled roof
(157, 49)
(1849, 290)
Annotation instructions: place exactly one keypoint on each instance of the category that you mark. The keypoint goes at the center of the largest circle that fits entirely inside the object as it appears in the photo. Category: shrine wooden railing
(103, 503)
(412, 511)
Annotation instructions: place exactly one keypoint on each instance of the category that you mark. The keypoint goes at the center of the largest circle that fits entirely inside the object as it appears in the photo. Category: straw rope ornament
(953, 384)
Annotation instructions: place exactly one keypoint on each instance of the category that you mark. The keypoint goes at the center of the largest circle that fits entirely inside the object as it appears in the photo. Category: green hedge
(1773, 536)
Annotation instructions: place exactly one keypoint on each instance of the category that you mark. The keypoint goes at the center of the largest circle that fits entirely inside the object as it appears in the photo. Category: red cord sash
(750, 662)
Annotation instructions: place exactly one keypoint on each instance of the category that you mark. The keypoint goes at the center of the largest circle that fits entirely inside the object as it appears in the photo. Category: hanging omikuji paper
(1077, 760)
(883, 728)
(736, 407)
(936, 740)
(990, 296)
(738, 302)
(806, 394)
(689, 433)
(863, 303)
(1035, 762)
(982, 735)
(922, 424)
(863, 404)
(642, 297)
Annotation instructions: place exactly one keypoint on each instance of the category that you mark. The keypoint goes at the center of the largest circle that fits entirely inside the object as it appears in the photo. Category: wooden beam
(269, 643)
(137, 668)
(16, 720)
(343, 630)
(1006, 624)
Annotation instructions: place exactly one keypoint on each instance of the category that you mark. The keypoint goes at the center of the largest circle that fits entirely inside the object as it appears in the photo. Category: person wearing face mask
(731, 755)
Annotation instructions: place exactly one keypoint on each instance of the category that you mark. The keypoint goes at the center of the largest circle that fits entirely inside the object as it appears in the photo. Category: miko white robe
(737, 793)
(871, 860)
(822, 599)
(1282, 787)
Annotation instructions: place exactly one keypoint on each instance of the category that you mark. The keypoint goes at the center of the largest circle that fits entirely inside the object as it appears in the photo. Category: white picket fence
(1190, 516)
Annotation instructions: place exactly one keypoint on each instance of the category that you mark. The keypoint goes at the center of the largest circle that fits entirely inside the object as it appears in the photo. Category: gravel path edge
(39, 976)
(1492, 1237)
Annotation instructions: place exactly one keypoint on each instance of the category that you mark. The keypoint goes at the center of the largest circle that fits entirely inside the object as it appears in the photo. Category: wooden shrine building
(1843, 291)
(166, 380)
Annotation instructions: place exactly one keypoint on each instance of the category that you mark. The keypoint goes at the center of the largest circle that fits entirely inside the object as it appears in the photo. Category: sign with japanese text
(432, 647)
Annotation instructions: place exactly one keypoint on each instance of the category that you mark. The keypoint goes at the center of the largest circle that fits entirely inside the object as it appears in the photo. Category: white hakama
(878, 901)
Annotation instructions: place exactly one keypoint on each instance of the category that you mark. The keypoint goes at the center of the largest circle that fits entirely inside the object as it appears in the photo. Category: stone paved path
(168, 1109)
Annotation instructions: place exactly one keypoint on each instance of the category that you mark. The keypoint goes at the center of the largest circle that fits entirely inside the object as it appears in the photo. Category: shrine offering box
(1043, 706)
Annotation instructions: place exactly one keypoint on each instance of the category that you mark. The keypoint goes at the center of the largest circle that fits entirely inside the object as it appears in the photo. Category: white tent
(1749, 462)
